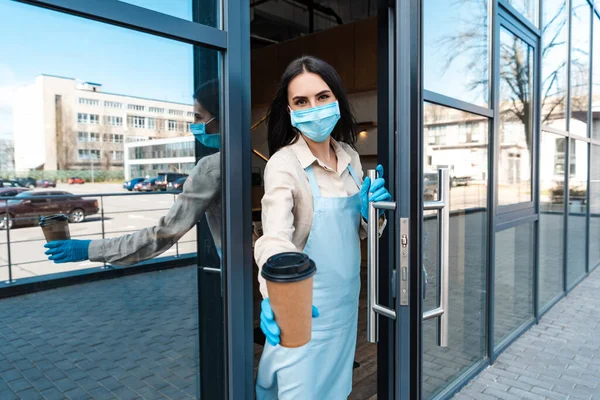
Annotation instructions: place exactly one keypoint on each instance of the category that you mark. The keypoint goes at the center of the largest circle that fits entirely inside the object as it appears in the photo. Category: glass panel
(580, 67)
(596, 82)
(595, 208)
(552, 203)
(554, 64)
(513, 285)
(515, 127)
(527, 8)
(457, 140)
(72, 115)
(577, 230)
(456, 54)
(205, 12)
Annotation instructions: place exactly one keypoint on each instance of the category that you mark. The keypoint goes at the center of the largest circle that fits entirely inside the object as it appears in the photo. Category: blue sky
(36, 41)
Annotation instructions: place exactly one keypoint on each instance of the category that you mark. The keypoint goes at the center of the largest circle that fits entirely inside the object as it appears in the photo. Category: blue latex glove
(268, 324)
(375, 191)
(64, 251)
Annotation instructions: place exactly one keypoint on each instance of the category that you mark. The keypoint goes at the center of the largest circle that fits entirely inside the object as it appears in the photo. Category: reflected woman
(316, 202)
(201, 195)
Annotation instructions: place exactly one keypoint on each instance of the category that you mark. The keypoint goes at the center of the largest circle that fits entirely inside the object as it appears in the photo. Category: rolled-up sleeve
(277, 214)
(200, 189)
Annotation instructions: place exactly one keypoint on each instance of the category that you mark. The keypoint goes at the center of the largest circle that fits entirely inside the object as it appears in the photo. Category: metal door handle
(373, 308)
(442, 206)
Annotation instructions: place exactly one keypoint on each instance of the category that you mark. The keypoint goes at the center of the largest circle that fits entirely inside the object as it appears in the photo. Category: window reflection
(205, 12)
(595, 207)
(577, 230)
(552, 201)
(456, 49)
(459, 141)
(596, 82)
(515, 130)
(580, 67)
(527, 8)
(513, 280)
(554, 64)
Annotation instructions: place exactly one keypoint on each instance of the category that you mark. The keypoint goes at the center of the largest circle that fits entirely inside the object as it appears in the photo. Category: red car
(26, 208)
(46, 183)
(75, 180)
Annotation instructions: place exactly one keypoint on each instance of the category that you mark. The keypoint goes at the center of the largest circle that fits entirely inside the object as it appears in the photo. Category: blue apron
(322, 369)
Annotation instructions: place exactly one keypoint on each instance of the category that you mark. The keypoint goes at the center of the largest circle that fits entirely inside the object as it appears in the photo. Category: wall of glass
(167, 150)
(577, 228)
(594, 258)
(551, 222)
(513, 280)
(465, 142)
(580, 66)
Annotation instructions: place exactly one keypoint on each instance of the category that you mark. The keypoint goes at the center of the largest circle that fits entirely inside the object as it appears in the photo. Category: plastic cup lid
(288, 267)
(53, 218)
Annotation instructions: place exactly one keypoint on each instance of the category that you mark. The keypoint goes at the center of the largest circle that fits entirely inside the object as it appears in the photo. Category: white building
(148, 158)
(62, 124)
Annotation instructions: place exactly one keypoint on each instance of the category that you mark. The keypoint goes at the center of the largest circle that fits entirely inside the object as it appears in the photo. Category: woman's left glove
(64, 251)
(373, 191)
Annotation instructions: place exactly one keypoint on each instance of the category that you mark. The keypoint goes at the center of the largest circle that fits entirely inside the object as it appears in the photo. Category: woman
(201, 194)
(313, 202)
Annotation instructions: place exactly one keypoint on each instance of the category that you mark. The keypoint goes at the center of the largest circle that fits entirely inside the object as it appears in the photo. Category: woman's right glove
(64, 251)
(268, 324)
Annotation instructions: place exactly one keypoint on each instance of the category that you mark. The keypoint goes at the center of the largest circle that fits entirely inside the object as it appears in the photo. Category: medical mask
(212, 140)
(316, 123)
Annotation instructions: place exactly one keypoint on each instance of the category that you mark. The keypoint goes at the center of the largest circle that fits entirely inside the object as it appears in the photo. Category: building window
(94, 119)
(82, 118)
(95, 137)
(188, 127)
(175, 112)
(86, 154)
(89, 102)
(190, 114)
(82, 137)
(171, 125)
(133, 139)
(151, 123)
(136, 121)
(135, 107)
(112, 104)
(156, 110)
(113, 138)
(117, 155)
(114, 121)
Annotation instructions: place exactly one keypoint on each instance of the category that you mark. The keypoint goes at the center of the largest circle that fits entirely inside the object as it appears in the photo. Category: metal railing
(5, 209)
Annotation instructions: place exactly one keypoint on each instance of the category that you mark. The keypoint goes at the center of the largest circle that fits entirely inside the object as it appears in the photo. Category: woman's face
(308, 90)
(201, 115)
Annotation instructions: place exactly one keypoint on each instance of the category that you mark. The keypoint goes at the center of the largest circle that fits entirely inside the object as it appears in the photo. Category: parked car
(148, 185)
(75, 180)
(46, 183)
(176, 185)
(430, 186)
(27, 182)
(129, 185)
(10, 183)
(165, 177)
(10, 192)
(27, 207)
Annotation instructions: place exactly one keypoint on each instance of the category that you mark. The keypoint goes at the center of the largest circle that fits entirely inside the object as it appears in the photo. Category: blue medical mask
(316, 123)
(212, 140)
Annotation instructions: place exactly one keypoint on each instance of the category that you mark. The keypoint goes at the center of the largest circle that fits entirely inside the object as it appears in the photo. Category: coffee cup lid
(53, 218)
(288, 267)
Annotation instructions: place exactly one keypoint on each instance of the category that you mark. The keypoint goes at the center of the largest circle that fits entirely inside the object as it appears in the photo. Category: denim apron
(322, 369)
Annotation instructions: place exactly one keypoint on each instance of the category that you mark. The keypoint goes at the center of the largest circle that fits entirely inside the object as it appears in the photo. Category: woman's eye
(300, 102)
(323, 97)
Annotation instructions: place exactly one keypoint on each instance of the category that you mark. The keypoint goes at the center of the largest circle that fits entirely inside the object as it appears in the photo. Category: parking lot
(122, 215)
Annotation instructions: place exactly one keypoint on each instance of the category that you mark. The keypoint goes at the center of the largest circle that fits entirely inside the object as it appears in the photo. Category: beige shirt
(201, 194)
(287, 206)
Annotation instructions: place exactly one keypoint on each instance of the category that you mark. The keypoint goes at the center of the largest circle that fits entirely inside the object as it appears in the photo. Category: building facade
(62, 124)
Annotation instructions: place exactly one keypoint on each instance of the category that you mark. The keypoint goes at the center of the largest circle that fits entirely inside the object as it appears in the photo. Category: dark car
(10, 183)
(75, 180)
(27, 207)
(176, 185)
(10, 192)
(129, 185)
(148, 185)
(165, 177)
(26, 182)
(46, 183)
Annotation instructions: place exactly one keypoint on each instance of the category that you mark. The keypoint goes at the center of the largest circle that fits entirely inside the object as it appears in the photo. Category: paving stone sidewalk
(557, 359)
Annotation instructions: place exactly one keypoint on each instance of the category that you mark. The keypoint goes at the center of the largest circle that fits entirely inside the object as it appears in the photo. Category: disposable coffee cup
(55, 227)
(289, 279)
